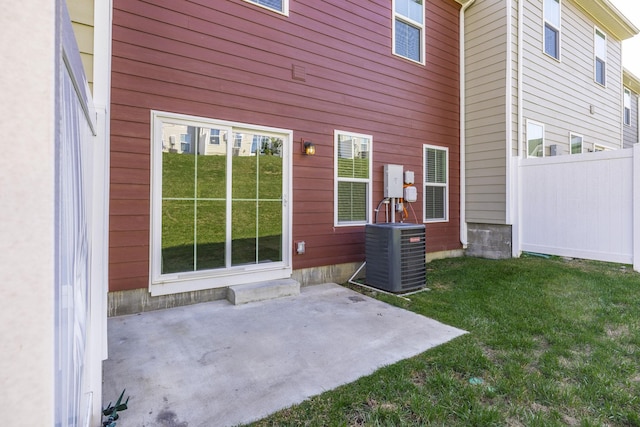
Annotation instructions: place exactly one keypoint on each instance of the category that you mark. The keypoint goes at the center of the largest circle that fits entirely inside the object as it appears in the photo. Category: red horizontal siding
(132, 282)
(129, 254)
(129, 222)
(231, 60)
(128, 207)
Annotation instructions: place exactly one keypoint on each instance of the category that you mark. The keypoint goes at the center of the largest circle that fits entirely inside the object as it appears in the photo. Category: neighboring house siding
(631, 132)
(560, 94)
(231, 60)
(81, 13)
(486, 127)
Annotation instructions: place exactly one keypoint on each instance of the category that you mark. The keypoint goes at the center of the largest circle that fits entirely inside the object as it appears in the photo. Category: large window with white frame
(219, 209)
(552, 20)
(436, 183)
(281, 6)
(535, 139)
(575, 143)
(626, 117)
(600, 56)
(409, 29)
(352, 184)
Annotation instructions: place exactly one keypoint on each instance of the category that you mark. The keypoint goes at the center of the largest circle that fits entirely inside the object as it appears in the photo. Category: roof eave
(630, 80)
(609, 18)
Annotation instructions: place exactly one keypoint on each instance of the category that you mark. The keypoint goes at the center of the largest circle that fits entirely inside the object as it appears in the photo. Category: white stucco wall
(27, 32)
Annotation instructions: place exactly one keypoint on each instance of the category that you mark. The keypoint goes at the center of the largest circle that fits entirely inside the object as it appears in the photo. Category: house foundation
(491, 241)
(134, 301)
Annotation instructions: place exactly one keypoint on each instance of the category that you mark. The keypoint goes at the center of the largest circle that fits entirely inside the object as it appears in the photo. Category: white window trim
(284, 11)
(425, 183)
(165, 284)
(406, 19)
(597, 30)
(598, 147)
(624, 106)
(336, 179)
(571, 136)
(544, 23)
(526, 139)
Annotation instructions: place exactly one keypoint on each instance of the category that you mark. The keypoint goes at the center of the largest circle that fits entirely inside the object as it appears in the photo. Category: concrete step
(260, 291)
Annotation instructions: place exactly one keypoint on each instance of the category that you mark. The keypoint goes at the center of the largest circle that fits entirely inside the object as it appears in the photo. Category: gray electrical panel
(396, 256)
(393, 181)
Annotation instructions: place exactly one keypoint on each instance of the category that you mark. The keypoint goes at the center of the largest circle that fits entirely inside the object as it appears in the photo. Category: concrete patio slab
(218, 364)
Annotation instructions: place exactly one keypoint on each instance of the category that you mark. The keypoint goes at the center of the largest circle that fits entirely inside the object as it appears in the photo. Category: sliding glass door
(221, 206)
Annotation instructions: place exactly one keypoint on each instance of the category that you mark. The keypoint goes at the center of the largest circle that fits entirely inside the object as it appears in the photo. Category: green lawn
(551, 342)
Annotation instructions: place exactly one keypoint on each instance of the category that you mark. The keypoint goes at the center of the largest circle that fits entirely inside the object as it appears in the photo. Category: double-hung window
(408, 29)
(600, 55)
(552, 28)
(281, 6)
(576, 143)
(185, 143)
(436, 184)
(214, 136)
(535, 139)
(627, 107)
(352, 189)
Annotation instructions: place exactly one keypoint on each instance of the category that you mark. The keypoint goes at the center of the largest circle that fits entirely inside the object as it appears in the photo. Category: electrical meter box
(411, 194)
(393, 181)
(409, 177)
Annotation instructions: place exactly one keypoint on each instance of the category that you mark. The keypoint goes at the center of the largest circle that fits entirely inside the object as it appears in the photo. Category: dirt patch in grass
(357, 420)
(617, 331)
(438, 286)
(418, 378)
(385, 406)
(514, 422)
(570, 420)
(491, 354)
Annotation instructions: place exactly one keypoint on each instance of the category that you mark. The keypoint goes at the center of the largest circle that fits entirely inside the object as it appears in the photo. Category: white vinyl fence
(582, 206)
(81, 161)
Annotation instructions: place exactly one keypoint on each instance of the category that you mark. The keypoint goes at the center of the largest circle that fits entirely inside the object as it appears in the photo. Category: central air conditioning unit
(396, 256)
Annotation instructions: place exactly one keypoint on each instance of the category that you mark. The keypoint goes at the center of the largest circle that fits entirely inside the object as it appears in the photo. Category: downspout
(509, 178)
(520, 72)
(516, 242)
(463, 187)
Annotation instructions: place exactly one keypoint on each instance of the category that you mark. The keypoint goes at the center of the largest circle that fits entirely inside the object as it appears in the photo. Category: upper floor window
(408, 29)
(352, 190)
(436, 183)
(281, 6)
(600, 54)
(552, 28)
(627, 107)
(576, 143)
(535, 139)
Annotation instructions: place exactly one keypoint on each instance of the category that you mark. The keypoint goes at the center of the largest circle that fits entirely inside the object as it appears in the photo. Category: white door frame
(164, 284)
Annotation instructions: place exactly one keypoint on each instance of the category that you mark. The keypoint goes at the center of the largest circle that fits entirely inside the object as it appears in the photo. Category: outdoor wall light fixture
(308, 148)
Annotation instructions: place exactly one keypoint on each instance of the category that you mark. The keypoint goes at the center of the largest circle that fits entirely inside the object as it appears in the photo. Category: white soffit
(606, 15)
(630, 80)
